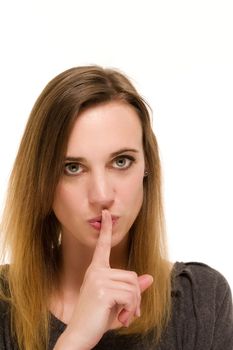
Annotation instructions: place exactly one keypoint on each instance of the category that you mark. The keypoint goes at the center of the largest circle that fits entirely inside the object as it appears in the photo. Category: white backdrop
(180, 56)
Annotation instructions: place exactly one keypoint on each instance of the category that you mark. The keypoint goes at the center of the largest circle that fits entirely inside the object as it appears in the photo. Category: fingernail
(104, 213)
(150, 279)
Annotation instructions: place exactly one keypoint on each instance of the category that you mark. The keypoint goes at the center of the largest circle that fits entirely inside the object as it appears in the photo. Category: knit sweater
(202, 316)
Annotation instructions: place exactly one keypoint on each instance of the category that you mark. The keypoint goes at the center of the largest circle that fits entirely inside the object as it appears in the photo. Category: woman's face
(103, 169)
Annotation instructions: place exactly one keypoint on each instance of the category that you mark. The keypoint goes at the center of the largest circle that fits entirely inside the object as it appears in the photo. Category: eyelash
(123, 157)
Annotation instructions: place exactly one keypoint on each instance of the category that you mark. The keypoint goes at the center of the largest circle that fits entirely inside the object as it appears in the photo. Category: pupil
(121, 162)
(73, 168)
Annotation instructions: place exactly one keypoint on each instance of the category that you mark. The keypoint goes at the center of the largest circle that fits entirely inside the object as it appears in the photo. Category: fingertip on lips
(106, 221)
(105, 214)
(103, 217)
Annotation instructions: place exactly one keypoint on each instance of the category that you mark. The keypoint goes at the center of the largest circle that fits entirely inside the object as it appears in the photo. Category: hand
(105, 295)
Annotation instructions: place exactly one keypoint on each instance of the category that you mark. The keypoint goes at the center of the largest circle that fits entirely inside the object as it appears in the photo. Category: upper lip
(99, 218)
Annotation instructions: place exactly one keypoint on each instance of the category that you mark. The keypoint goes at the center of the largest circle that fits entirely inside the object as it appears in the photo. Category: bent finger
(145, 281)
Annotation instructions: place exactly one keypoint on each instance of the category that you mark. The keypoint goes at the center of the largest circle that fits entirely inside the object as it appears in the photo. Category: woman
(83, 225)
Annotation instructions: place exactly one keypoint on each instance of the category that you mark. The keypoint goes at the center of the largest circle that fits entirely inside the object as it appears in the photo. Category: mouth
(96, 222)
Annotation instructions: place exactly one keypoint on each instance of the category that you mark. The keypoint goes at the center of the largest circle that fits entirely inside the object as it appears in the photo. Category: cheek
(66, 200)
(132, 192)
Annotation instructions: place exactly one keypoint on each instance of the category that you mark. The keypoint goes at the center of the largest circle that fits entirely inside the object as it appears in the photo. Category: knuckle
(133, 276)
(94, 276)
(99, 286)
(101, 293)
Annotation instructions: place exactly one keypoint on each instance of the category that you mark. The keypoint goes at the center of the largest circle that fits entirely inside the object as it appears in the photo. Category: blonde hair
(30, 230)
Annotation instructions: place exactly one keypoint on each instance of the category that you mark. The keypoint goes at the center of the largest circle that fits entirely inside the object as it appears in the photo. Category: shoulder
(198, 274)
(201, 282)
(202, 301)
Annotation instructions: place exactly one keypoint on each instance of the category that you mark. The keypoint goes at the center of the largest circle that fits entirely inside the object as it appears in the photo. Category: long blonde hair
(29, 228)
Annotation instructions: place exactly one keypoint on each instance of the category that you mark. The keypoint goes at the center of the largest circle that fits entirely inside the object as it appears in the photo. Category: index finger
(102, 251)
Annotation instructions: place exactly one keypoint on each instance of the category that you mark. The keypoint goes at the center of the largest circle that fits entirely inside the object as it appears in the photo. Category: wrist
(70, 341)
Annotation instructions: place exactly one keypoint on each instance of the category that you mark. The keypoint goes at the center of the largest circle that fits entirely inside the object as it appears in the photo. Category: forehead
(105, 128)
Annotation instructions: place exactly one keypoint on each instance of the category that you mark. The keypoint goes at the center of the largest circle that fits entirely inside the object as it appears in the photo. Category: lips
(98, 218)
(96, 222)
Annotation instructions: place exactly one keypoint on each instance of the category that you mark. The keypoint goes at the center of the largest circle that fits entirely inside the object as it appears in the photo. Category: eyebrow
(114, 154)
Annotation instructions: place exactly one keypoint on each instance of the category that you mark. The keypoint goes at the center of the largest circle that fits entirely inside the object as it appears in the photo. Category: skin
(97, 293)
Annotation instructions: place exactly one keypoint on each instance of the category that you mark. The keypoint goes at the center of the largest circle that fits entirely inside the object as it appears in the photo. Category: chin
(119, 237)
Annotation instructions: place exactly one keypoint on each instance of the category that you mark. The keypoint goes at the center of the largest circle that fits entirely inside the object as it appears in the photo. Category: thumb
(145, 281)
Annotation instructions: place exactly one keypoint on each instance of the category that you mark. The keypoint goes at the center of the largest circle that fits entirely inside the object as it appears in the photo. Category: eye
(72, 169)
(123, 162)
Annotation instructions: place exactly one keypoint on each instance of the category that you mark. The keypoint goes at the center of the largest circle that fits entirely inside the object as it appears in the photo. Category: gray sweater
(202, 317)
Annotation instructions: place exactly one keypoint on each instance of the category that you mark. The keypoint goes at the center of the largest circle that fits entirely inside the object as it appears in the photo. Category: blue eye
(123, 162)
(72, 169)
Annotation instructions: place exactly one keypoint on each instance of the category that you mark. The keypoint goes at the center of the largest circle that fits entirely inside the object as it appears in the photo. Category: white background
(179, 54)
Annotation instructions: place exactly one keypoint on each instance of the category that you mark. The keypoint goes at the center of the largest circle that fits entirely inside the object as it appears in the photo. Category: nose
(101, 190)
